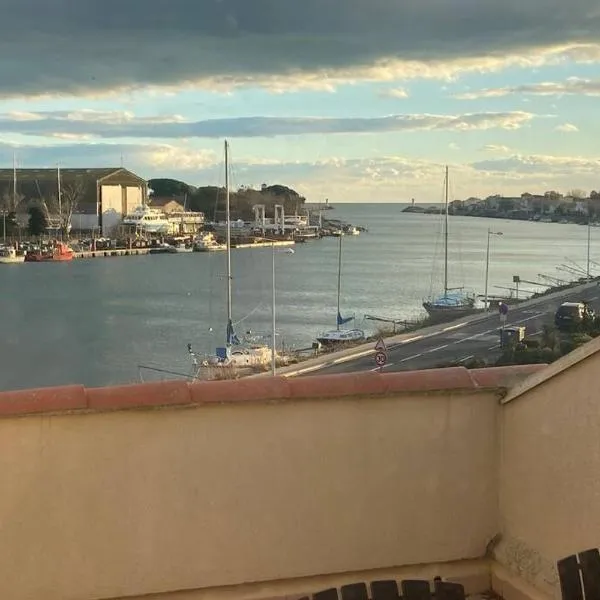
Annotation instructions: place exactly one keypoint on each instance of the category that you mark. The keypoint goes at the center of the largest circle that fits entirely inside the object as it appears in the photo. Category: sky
(349, 100)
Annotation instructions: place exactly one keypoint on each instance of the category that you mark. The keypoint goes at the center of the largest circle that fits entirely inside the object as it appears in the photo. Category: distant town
(574, 207)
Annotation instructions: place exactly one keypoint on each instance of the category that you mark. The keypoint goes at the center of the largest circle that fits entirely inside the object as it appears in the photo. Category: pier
(112, 252)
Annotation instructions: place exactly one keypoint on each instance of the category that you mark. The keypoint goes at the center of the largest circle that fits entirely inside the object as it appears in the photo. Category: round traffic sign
(380, 359)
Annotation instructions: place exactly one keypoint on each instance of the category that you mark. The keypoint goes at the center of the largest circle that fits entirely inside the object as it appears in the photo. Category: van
(572, 314)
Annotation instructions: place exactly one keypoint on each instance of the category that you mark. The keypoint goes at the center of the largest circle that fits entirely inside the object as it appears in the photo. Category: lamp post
(4, 225)
(490, 233)
(589, 238)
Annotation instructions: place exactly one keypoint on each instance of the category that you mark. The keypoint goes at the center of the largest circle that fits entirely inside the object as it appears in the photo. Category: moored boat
(61, 252)
(9, 256)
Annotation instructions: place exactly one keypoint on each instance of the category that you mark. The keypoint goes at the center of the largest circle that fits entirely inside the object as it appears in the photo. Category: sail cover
(232, 338)
(341, 320)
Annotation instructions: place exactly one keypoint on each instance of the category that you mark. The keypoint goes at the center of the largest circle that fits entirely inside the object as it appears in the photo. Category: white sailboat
(338, 335)
(453, 302)
(9, 256)
(236, 354)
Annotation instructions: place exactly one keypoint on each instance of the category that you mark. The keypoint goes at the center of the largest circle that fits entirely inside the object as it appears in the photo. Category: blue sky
(351, 100)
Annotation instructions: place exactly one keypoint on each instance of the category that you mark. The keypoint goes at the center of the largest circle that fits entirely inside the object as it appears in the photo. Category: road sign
(380, 346)
(503, 309)
(380, 359)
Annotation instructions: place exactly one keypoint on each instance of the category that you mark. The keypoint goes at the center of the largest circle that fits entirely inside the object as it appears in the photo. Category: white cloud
(399, 93)
(567, 128)
(496, 148)
(117, 124)
(572, 86)
(453, 146)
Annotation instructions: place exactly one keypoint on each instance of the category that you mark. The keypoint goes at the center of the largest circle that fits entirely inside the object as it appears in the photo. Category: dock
(111, 252)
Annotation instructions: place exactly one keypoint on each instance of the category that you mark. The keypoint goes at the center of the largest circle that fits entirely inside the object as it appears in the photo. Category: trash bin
(511, 335)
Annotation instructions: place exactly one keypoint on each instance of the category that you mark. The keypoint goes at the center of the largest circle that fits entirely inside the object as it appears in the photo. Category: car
(572, 314)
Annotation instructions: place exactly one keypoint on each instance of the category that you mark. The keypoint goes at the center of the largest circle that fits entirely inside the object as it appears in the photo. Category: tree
(167, 188)
(38, 221)
(577, 193)
(72, 192)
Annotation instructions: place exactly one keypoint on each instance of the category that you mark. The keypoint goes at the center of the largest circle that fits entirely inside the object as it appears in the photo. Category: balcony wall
(120, 492)
(550, 468)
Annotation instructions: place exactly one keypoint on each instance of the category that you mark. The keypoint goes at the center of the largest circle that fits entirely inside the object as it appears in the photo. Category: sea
(102, 322)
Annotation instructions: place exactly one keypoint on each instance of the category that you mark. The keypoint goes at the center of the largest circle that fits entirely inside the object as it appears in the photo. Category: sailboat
(236, 354)
(454, 302)
(335, 336)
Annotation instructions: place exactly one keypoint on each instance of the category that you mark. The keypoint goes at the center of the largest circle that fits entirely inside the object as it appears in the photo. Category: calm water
(95, 321)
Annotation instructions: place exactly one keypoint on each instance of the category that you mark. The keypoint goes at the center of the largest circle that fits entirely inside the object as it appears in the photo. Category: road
(462, 340)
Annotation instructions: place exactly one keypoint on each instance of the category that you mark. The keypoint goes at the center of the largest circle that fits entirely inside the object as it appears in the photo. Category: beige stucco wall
(125, 503)
(550, 474)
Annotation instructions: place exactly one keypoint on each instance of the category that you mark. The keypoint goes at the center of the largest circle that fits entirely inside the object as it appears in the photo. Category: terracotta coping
(181, 393)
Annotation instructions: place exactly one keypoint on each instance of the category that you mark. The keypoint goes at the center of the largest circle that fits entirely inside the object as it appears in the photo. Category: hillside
(211, 199)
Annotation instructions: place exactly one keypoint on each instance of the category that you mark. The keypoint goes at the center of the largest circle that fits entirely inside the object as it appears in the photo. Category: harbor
(96, 321)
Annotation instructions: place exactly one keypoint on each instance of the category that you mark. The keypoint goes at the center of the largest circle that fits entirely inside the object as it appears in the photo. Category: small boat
(60, 253)
(9, 256)
(180, 249)
(208, 243)
(337, 336)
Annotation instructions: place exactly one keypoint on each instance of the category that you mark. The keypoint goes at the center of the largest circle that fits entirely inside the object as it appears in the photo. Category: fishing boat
(452, 302)
(208, 243)
(61, 252)
(339, 335)
(9, 256)
(249, 353)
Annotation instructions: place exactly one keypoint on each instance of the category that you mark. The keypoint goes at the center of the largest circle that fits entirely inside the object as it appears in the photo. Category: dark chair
(355, 591)
(447, 590)
(415, 589)
(330, 594)
(580, 576)
(385, 589)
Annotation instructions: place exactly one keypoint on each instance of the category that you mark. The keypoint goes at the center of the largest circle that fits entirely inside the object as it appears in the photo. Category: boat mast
(228, 219)
(446, 237)
(59, 199)
(339, 287)
(14, 181)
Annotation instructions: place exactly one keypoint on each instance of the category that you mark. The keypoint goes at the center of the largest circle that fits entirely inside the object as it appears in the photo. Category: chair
(355, 591)
(329, 594)
(415, 589)
(384, 589)
(580, 576)
(447, 590)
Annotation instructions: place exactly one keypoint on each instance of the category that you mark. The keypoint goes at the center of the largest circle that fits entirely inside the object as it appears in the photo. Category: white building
(99, 197)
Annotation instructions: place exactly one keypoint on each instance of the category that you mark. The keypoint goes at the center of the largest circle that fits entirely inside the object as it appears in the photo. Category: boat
(453, 302)
(148, 220)
(61, 252)
(181, 248)
(338, 335)
(236, 355)
(9, 256)
(208, 243)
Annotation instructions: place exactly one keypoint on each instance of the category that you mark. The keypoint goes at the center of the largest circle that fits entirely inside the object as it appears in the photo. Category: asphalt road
(462, 340)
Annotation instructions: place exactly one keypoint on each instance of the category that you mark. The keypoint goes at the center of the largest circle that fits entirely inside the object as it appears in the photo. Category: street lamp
(273, 314)
(490, 233)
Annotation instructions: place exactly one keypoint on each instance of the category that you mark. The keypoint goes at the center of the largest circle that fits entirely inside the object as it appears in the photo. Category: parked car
(572, 314)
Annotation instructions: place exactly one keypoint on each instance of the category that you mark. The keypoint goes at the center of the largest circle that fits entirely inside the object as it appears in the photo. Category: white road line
(384, 366)
(454, 326)
(411, 357)
(436, 349)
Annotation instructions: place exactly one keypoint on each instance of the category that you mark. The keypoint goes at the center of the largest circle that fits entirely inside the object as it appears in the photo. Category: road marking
(436, 349)
(411, 357)
(494, 347)
(454, 326)
(384, 366)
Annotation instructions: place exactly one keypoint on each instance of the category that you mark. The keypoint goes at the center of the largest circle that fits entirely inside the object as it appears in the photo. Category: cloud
(84, 47)
(572, 86)
(567, 128)
(340, 179)
(123, 124)
(535, 164)
(400, 93)
(496, 148)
